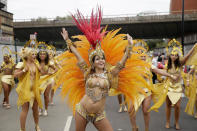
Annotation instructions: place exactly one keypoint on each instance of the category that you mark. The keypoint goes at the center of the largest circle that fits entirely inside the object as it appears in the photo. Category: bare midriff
(7, 71)
(91, 106)
(97, 88)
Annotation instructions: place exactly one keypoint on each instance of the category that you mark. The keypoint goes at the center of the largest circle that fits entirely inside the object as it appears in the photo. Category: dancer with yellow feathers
(28, 89)
(6, 76)
(45, 65)
(191, 85)
(140, 49)
(191, 82)
(53, 61)
(192, 91)
(172, 90)
(30, 84)
(95, 53)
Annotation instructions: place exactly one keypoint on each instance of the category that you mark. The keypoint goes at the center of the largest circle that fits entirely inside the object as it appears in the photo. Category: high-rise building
(190, 6)
(6, 24)
(4, 2)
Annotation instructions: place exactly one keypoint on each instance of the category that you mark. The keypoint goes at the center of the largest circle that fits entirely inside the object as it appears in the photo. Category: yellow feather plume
(131, 78)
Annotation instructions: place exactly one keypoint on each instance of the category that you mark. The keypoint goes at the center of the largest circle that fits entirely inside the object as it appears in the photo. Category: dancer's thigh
(103, 125)
(80, 122)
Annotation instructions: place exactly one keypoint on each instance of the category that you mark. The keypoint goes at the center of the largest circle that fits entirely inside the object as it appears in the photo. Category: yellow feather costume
(8, 79)
(128, 82)
(27, 89)
(140, 50)
(169, 88)
(192, 92)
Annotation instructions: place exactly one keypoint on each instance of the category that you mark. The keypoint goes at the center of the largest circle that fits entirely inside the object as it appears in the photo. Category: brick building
(176, 6)
(190, 7)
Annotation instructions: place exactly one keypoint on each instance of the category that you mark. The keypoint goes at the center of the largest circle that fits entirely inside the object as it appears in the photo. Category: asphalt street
(60, 117)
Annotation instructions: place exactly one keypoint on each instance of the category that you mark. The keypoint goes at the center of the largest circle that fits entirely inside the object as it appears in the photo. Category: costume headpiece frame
(174, 47)
(140, 47)
(9, 52)
(42, 46)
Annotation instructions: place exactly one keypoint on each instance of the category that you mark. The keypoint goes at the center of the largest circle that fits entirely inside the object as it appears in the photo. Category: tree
(41, 19)
(59, 18)
(156, 43)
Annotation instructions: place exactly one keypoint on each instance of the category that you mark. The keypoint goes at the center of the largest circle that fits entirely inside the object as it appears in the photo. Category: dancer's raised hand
(130, 39)
(64, 34)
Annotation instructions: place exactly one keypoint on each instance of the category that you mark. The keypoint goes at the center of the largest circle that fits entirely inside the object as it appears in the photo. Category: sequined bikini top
(175, 71)
(97, 86)
(45, 68)
(7, 66)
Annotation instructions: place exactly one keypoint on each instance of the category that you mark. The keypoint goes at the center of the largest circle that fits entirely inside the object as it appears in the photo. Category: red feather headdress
(92, 30)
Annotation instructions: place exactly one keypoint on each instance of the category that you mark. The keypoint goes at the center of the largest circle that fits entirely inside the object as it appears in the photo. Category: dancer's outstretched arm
(18, 72)
(188, 75)
(71, 46)
(127, 54)
(163, 73)
(184, 60)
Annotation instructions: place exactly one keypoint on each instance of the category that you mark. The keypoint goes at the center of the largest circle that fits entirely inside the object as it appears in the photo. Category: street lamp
(15, 45)
(182, 26)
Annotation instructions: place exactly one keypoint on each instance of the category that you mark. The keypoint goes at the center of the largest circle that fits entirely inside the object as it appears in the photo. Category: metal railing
(104, 16)
(44, 19)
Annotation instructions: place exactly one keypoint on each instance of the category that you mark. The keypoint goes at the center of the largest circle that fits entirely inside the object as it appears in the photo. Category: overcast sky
(26, 9)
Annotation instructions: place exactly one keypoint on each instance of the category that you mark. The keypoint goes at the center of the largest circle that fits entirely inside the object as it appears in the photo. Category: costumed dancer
(191, 82)
(6, 76)
(192, 91)
(172, 89)
(55, 63)
(28, 88)
(95, 52)
(140, 48)
(44, 65)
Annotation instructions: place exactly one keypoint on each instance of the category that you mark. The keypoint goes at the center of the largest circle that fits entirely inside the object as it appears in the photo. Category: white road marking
(68, 123)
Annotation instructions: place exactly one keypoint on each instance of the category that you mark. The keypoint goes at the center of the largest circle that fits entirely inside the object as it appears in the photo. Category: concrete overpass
(146, 27)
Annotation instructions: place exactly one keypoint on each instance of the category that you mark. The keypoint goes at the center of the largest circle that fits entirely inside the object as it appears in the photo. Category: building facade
(190, 6)
(6, 24)
(4, 2)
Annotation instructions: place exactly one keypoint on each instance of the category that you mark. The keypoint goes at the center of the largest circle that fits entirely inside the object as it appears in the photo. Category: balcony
(2, 5)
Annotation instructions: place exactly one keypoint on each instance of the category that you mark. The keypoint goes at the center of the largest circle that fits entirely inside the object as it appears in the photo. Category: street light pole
(182, 26)
(16, 50)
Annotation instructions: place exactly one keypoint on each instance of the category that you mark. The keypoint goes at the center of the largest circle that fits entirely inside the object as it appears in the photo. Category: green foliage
(58, 18)
(40, 19)
(63, 18)
(156, 43)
